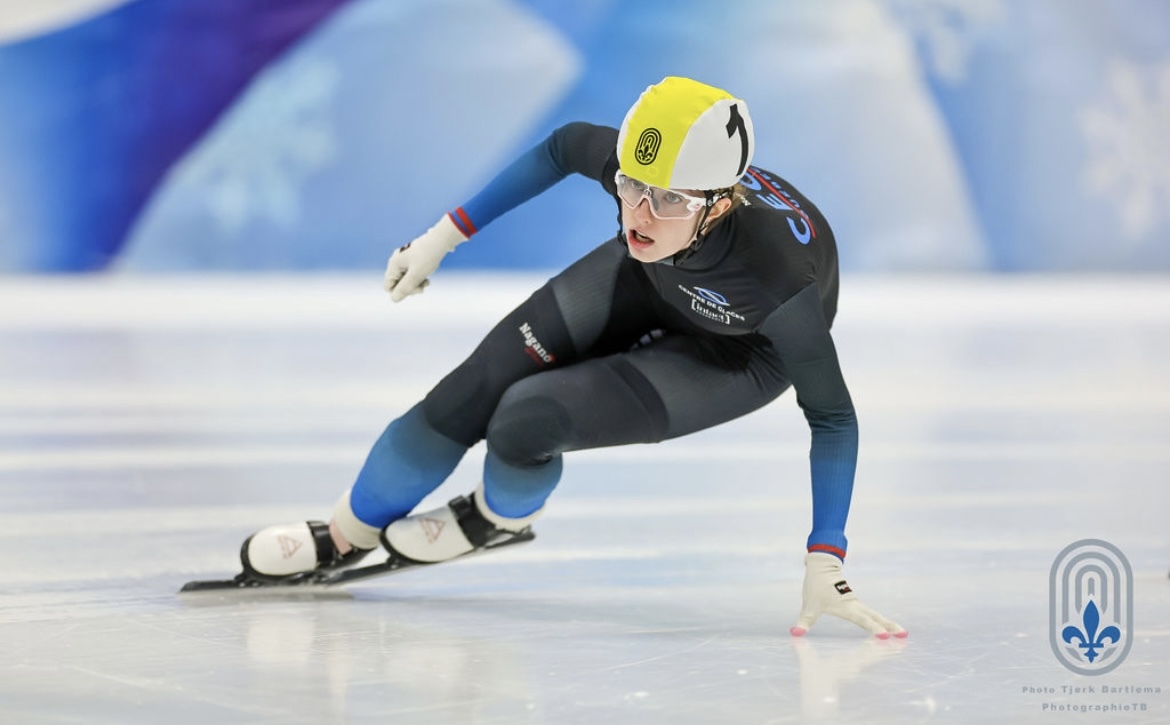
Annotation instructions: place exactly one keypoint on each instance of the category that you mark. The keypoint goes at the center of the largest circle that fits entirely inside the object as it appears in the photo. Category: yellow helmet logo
(647, 148)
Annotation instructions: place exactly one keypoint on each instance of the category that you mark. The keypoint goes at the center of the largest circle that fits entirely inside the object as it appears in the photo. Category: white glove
(410, 266)
(825, 592)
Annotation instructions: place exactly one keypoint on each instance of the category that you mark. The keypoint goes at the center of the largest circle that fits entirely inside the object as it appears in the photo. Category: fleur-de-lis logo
(1090, 581)
(1090, 639)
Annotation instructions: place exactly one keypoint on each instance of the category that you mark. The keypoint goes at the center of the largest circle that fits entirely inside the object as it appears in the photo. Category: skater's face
(659, 223)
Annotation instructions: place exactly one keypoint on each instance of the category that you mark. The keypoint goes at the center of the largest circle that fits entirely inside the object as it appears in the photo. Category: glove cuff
(461, 223)
(814, 557)
(444, 236)
(827, 549)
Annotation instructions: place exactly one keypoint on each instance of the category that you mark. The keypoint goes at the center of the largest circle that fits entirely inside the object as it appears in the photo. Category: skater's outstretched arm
(579, 148)
(800, 334)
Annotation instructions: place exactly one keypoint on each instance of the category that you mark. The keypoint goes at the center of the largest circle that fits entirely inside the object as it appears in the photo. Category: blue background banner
(187, 135)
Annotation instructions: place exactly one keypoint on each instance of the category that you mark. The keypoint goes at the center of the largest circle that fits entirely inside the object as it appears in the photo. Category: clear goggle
(664, 203)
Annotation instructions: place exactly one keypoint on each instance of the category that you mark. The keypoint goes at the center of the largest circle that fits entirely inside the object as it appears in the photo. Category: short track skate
(336, 577)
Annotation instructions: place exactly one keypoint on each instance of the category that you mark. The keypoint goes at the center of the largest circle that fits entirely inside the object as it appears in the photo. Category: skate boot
(280, 552)
(461, 527)
(300, 551)
(304, 554)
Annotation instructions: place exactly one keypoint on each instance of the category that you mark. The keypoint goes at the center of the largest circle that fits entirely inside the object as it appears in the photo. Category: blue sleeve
(580, 148)
(800, 334)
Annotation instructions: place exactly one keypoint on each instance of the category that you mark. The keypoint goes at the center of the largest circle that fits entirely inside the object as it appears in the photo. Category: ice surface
(147, 425)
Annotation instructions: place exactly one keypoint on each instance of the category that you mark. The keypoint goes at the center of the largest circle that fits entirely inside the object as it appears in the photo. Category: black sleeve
(575, 148)
(800, 334)
(586, 149)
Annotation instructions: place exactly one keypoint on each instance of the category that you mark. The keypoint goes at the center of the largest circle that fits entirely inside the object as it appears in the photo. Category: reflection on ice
(826, 668)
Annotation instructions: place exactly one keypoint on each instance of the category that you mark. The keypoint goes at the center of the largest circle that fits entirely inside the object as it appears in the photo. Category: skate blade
(212, 593)
(322, 582)
(315, 583)
(243, 586)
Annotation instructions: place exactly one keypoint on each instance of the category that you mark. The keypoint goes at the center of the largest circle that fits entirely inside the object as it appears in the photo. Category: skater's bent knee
(529, 430)
(460, 405)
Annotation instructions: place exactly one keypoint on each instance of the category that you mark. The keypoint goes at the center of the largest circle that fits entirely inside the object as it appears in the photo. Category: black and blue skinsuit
(614, 351)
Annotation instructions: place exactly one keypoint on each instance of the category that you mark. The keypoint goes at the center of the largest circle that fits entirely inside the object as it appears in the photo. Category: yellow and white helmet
(683, 134)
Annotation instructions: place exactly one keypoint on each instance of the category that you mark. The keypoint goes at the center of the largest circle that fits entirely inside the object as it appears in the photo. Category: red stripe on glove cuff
(839, 553)
(463, 222)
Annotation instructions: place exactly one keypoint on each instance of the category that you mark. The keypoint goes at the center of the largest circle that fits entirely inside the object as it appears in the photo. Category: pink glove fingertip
(798, 631)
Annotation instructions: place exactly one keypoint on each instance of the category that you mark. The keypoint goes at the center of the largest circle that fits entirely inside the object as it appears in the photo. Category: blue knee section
(408, 462)
(517, 491)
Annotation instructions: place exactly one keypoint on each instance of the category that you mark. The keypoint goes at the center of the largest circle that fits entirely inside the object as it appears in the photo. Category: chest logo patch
(712, 305)
(712, 296)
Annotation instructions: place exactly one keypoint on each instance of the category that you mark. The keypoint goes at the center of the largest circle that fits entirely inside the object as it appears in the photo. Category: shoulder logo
(647, 149)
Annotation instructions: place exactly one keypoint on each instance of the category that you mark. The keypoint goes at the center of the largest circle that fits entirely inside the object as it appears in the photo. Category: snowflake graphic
(1128, 139)
(255, 164)
(948, 30)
